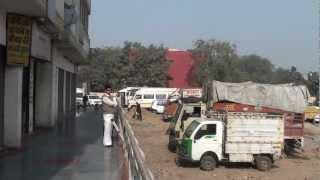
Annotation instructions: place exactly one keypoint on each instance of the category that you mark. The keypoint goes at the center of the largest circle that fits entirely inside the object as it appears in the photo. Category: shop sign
(18, 39)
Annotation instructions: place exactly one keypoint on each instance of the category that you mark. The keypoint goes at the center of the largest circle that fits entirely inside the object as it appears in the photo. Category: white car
(159, 106)
(317, 119)
(94, 100)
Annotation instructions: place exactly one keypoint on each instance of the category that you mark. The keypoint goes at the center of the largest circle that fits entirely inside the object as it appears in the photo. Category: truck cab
(200, 137)
(185, 114)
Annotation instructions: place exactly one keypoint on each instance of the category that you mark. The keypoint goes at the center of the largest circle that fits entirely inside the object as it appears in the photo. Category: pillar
(44, 93)
(13, 106)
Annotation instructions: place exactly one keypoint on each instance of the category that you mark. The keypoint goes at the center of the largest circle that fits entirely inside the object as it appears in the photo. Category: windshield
(94, 97)
(79, 95)
(133, 92)
(138, 96)
(190, 129)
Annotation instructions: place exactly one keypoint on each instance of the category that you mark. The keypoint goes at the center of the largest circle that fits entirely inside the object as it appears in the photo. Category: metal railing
(138, 170)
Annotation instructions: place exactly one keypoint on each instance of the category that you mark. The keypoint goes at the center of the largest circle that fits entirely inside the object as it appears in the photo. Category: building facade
(42, 42)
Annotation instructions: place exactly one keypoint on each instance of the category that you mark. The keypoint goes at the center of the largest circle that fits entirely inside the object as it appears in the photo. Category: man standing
(85, 101)
(109, 115)
(139, 113)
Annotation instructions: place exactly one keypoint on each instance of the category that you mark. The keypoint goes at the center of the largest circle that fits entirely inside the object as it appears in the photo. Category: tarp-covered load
(287, 97)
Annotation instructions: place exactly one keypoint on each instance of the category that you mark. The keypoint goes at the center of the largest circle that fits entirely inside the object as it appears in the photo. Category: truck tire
(208, 163)
(263, 163)
(172, 146)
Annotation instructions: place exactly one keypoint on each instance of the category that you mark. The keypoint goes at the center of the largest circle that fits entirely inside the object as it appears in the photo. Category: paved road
(74, 152)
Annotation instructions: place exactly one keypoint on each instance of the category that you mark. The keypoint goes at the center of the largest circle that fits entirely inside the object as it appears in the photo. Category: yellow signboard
(18, 39)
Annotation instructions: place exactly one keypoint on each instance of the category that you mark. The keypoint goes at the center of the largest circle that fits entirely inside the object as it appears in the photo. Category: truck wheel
(263, 163)
(172, 146)
(208, 163)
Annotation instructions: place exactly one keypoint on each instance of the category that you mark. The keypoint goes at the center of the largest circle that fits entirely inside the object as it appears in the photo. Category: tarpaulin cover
(287, 97)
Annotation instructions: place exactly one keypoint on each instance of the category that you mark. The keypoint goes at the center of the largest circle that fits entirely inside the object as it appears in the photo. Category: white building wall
(13, 106)
(2, 27)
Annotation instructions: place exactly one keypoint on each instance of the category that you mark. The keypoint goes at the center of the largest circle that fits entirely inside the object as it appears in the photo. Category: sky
(284, 31)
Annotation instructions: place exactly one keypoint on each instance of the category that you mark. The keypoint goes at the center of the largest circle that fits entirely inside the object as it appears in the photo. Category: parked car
(94, 100)
(158, 106)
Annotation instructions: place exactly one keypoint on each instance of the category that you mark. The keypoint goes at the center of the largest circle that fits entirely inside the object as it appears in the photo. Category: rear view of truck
(254, 137)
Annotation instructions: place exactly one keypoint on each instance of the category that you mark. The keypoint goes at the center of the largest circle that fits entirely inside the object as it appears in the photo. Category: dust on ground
(151, 134)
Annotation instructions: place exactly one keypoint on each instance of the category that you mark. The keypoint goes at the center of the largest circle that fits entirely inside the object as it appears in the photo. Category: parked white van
(146, 96)
(127, 94)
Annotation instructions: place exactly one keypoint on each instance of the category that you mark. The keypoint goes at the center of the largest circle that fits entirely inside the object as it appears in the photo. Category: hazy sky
(285, 31)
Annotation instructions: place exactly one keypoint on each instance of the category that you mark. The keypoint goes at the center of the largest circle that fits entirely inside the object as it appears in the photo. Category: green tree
(255, 68)
(132, 65)
(214, 60)
(148, 65)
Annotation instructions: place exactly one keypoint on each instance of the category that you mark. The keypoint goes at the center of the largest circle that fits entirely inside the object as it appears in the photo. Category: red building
(181, 65)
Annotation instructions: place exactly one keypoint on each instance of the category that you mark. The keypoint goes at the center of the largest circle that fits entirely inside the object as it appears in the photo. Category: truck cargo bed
(253, 133)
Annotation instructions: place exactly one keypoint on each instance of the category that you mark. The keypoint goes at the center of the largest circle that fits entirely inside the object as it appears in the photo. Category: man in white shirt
(109, 105)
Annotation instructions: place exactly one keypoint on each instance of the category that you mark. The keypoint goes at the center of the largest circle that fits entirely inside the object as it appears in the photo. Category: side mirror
(194, 141)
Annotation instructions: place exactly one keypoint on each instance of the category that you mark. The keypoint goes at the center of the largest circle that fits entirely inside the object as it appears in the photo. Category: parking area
(151, 134)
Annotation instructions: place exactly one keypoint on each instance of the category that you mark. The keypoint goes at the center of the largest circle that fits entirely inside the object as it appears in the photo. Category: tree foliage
(218, 60)
(138, 65)
(132, 65)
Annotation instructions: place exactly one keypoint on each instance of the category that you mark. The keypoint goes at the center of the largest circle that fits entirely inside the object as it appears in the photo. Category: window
(191, 128)
(161, 96)
(148, 96)
(133, 92)
(161, 103)
(196, 112)
(94, 97)
(138, 96)
(206, 129)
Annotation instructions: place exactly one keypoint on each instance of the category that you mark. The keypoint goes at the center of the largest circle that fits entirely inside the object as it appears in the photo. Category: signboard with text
(18, 39)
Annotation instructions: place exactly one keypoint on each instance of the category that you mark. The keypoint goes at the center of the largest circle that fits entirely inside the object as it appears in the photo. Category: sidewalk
(74, 152)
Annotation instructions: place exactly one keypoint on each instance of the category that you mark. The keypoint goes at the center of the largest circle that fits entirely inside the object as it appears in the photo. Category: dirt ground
(153, 140)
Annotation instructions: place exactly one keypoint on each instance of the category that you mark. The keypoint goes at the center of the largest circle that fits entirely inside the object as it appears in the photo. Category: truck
(170, 110)
(287, 99)
(312, 114)
(255, 138)
(172, 104)
(188, 110)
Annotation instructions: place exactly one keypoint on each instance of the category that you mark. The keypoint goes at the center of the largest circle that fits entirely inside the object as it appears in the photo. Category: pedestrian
(85, 101)
(138, 112)
(109, 109)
